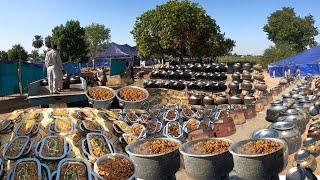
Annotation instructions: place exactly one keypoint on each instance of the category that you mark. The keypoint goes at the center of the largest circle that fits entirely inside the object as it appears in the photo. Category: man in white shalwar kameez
(54, 69)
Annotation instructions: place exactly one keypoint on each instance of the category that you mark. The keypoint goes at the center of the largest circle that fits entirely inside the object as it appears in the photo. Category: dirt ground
(14, 102)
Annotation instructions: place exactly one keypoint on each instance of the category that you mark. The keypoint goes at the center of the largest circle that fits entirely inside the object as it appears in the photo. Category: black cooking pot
(183, 67)
(155, 74)
(223, 67)
(178, 75)
(198, 67)
(216, 75)
(197, 76)
(147, 84)
(246, 75)
(210, 76)
(236, 77)
(222, 86)
(207, 68)
(172, 68)
(209, 86)
(158, 84)
(234, 85)
(215, 67)
(181, 85)
(170, 74)
(187, 75)
(163, 74)
(194, 100)
(223, 76)
(203, 75)
(199, 85)
(191, 85)
(236, 67)
(246, 66)
(166, 85)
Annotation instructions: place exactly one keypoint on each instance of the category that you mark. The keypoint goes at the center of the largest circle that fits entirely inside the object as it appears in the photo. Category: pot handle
(50, 129)
(30, 147)
(69, 148)
(53, 175)
(47, 169)
(84, 148)
(37, 149)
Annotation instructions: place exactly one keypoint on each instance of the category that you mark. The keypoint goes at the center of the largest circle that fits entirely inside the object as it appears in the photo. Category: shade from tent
(115, 50)
(307, 61)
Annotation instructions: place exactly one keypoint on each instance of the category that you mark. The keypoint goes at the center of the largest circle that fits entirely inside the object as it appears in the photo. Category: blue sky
(241, 20)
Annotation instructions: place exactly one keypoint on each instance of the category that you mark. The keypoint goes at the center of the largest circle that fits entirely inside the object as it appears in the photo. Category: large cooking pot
(101, 103)
(223, 76)
(163, 74)
(295, 116)
(257, 67)
(191, 85)
(209, 86)
(170, 74)
(236, 99)
(236, 76)
(274, 111)
(246, 75)
(207, 166)
(261, 86)
(258, 76)
(222, 86)
(140, 104)
(208, 100)
(194, 100)
(234, 85)
(207, 68)
(260, 166)
(246, 85)
(155, 166)
(178, 75)
(223, 67)
(221, 99)
(249, 99)
(236, 67)
(290, 133)
(155, 74)
(246, 66)
(198, 67)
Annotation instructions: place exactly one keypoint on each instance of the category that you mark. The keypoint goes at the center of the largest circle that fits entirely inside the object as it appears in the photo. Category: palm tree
(37, 42)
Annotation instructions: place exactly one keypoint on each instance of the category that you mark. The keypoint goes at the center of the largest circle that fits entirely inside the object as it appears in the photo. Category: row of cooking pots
(191, 85)
(205, 99)
(237, 76)
(197, 67)
(187, 75)
(237, 67)
(208, 165)
(247, 85)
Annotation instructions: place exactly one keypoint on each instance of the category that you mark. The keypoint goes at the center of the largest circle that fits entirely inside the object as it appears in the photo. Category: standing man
(54, 69)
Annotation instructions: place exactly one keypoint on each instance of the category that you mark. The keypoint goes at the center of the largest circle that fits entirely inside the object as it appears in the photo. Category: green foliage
(3, 55)
(277, 52)
(17, 52)
(285, 27)
(34, 54)
(48, 41)
(180, 29)
(71, 41)
(97, 36)
(37, 42)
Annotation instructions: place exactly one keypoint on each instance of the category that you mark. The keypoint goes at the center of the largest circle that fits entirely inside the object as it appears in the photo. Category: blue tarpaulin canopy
(307, 61)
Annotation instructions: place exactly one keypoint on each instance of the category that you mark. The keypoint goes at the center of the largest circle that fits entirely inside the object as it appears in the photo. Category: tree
(285, 27)
(97, 35)
(17, 52)
(34, 54)
(277, 52)
(47, 41)
(3, 55)
(71, 41)
(37, 42)
(180, 29)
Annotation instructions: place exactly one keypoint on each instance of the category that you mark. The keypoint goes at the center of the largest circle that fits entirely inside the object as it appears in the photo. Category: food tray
(90, 153)
(40, 146)
(56, 174)
(30, 132)
(39, 168)
(23, 149)
(84, 126)
(54, 130)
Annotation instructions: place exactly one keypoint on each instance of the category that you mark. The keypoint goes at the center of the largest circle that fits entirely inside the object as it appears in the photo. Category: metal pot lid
(286, 95)
(301, 155)
(276, 102)
(310, 140)
(296, 173)
(265, 133)
(283, 126)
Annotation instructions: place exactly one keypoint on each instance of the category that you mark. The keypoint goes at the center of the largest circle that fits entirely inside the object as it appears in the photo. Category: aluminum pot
(274, 111)
(155, 166)
(260, 166)
(194, 99)
(101, 103)
(221, 99)
(249, 99)
(295, 116)
(246, 85)
(141, 104)
(261, 86)
(312, 145)
(258, 76)
(288, 132)
(236, 99)
(257, 67)
(305, 160)
(207, 166)
(265, 133)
